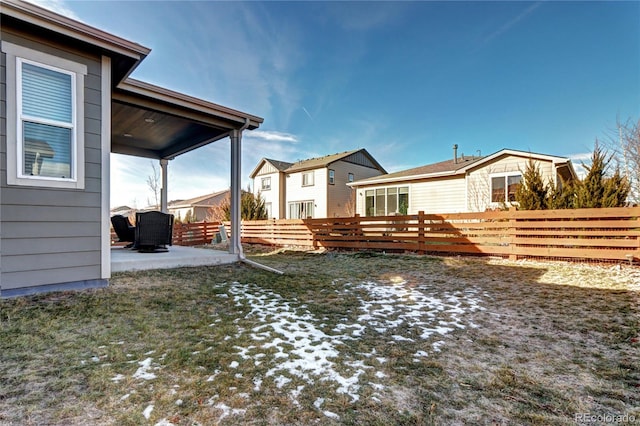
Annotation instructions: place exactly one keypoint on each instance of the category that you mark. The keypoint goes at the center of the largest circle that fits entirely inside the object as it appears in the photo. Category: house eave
(48, 20)
(358, 184)
(162, 94)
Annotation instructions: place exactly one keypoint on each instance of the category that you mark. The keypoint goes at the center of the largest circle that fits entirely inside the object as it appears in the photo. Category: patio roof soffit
(154, 122)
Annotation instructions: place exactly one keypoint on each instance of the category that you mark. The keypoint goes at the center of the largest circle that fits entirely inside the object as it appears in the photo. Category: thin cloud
(511, 23)
(271, 136)
(307, 112)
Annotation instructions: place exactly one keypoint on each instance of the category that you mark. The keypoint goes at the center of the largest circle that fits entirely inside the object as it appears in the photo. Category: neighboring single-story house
(197, 209)
(315, 187)
(67, 103)
(461, 184)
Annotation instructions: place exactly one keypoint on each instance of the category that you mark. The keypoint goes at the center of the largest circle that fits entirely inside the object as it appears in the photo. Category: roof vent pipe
(455, 153)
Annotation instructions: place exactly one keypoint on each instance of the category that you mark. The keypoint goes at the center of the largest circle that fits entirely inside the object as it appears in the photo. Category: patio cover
(157, 123)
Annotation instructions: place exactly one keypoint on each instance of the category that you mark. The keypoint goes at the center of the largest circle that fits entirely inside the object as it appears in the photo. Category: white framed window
(307, 178)
(504, 186)
(266, 183)
(332, 177)
(45, 119)
(350, 177)
(300, 209)
(387, 201)
(269, 210)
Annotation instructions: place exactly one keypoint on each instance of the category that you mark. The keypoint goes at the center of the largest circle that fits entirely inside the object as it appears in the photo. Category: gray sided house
(66, 103)
(316, 187)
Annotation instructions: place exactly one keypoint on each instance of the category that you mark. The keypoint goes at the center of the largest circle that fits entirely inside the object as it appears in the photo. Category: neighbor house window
(350, 177)
(300, 209)
(332, 177)
(387, 201)
(307, 179)
(266, 183)
(503, 188)
(45, 132)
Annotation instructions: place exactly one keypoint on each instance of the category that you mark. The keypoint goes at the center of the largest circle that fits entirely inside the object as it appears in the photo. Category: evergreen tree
(532, 193)
(598, 190)
(590, 192)
(251, 208)
(616, 190)
(562, 195)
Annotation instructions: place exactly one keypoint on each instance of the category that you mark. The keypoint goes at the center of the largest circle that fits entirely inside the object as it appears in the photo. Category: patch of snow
(179, 402)
(147, 411)
(257, 382)
(228, 411)
(117, 378)
(164, 422)
(150, 352)
(331, 415)
(143, 371)
(123, 397)
(302, 349)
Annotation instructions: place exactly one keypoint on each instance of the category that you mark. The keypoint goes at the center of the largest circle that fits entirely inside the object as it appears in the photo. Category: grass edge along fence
(589, 234)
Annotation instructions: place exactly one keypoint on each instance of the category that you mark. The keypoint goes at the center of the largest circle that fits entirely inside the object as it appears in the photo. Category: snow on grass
(147, 411)
(307, 352)
(300, 346)
(143, 370)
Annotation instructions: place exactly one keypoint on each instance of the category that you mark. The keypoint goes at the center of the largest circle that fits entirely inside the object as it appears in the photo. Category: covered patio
(157, 123)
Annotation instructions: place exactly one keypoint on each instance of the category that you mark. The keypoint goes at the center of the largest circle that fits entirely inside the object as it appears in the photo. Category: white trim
(506, 186)
(105, 147)
(386, 187)
(308, 173)
(472, 165)
(15, 55)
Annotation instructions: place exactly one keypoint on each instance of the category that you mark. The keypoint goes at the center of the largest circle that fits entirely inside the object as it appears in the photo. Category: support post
(164, 205)
(236, 194)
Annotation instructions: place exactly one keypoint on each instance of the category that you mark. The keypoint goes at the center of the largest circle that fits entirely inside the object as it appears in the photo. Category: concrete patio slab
(123, 259)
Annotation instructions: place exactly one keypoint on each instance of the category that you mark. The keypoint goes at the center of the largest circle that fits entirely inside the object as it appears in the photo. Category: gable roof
(208, 200)
(461, 166)
(281, 166)
(320, 162)
(355, 156)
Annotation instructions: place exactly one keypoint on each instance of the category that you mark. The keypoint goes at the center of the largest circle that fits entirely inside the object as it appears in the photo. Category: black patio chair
(125, 231)
(154, 231)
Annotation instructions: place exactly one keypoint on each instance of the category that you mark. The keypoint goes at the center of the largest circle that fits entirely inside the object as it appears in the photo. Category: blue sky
(405, 80)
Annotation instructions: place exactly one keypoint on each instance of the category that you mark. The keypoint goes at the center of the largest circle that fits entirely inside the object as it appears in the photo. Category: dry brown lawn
(340, 338)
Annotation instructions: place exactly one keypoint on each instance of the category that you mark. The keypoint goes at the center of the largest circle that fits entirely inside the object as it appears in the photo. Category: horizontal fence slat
(604, 234)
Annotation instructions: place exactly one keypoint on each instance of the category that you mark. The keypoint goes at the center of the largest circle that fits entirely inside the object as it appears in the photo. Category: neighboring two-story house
(315, 187)
(460, 184)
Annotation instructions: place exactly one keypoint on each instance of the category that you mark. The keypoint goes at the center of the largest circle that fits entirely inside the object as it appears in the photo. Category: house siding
(437, 196)
(37, 224)
(339, 195)
(275, 195)
(479, 180)
(316, 192)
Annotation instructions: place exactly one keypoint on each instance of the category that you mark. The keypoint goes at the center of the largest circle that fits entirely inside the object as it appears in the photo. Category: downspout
(238, 248)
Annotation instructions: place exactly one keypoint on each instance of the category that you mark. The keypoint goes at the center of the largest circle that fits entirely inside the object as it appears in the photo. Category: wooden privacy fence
(590, 234)
(194, 234)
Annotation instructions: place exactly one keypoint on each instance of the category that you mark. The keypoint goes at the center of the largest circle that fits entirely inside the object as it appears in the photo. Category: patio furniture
(154, 231)
(125, 231)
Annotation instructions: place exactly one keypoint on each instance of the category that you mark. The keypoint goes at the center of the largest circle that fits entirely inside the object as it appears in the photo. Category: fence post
(512, 233)
(421, 233)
